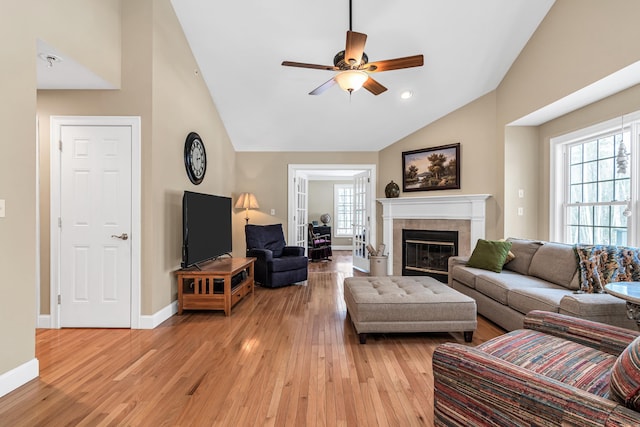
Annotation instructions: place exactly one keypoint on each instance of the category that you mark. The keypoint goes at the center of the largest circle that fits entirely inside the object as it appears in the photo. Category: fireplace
(464, 213)
(427, 252)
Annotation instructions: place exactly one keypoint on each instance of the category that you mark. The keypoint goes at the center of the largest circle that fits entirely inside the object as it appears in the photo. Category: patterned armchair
(558, 370)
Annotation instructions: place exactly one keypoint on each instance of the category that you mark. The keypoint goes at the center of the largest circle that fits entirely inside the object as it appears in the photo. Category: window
(343, 210)
(595, 175)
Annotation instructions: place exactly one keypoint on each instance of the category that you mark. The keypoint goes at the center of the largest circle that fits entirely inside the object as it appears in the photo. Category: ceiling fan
(354, 66)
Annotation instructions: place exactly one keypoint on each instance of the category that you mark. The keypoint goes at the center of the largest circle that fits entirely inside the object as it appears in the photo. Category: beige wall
(577, 44)
(265, 175)
(181, 104)
(522, 173)
(160, 85)
(473, 126)
(321, 201)
(17, 187)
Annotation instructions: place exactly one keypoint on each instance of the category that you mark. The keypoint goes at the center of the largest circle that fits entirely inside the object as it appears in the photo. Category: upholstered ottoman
(407, 304)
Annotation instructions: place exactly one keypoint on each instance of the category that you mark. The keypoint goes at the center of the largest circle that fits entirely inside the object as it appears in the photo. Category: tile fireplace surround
(464, 213)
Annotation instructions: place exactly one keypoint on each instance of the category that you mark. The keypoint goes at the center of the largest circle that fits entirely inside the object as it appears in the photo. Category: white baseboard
(152, 321)
(44, 321)
(145, 322)
(21, 375)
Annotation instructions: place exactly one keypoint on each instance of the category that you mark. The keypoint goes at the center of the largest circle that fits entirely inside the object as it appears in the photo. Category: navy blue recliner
(277, 264)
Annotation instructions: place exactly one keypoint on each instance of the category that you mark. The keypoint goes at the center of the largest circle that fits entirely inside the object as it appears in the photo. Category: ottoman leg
(468, 336)
(363, 338)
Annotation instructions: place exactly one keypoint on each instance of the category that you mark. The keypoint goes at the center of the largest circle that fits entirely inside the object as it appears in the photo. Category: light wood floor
(285, 357)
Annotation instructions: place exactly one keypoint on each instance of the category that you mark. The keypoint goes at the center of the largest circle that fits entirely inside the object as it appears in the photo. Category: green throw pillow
(489, 255)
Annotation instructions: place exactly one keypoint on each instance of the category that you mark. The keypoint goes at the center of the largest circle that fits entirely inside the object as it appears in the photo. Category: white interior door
(95, 226)
(301, 215)
(361, 220)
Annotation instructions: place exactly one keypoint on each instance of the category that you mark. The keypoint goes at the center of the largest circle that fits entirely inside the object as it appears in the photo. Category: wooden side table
(209, 287)
(630, 292)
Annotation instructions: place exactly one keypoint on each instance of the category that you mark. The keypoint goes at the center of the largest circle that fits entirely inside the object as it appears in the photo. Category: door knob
(123, 236)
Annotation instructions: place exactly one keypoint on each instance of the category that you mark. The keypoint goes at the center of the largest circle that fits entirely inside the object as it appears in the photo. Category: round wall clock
(195, 158)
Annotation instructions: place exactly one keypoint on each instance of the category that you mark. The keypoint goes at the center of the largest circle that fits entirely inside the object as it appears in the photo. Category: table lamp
(247, 201)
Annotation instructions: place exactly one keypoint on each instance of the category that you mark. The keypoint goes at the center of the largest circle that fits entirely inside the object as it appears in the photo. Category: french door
(361, 220)
(301, 215)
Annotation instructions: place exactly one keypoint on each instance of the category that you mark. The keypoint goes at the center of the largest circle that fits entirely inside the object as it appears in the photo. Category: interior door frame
(57, 122)
(293, 169)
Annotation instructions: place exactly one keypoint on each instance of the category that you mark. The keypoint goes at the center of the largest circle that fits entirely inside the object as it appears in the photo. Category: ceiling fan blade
(373, 86)
(314, 66)
(354, 47)
(324, 86)
(395, 64)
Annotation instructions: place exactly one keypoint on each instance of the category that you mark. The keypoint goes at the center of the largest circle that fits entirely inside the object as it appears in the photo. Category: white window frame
(559, 174)
(337, 231)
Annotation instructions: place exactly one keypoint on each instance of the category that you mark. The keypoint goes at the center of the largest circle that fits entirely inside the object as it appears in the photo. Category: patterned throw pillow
(602, 264)
(625, 377)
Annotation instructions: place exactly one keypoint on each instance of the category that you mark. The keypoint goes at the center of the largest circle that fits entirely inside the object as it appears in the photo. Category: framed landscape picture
(435, 168)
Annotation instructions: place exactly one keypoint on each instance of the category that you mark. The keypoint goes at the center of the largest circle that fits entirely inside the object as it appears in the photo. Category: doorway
(363, 178)
(95, 221)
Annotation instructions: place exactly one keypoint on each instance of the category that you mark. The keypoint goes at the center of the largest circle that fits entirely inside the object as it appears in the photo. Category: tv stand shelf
(201, 294)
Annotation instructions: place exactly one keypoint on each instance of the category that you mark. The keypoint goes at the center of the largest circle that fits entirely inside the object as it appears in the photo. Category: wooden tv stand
(196, 290)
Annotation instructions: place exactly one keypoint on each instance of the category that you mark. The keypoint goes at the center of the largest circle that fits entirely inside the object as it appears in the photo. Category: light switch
(2, 210)
(520, 211)
(521, 193)
(273, 211)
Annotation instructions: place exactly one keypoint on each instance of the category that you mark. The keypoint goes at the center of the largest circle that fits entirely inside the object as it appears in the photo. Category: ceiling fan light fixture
(351, 80)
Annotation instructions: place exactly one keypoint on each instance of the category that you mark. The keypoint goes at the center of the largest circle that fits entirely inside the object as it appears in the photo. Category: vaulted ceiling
(468, 46)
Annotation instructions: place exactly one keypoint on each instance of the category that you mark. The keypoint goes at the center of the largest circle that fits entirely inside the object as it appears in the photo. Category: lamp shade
(247, 201)
(351, 80)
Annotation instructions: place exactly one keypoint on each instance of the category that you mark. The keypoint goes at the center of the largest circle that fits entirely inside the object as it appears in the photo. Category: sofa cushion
(526, 299)
(489, 255)
(465, 275)
(585, 305)
(556, 263)
(523, 250)
(625, 376)
(566, 361)
(286, 263)
(497, 285)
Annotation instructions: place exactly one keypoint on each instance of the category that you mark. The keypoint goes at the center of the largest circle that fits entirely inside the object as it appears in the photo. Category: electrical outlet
(521, 193)
(2, 209)
(273, 211)
(520, 211)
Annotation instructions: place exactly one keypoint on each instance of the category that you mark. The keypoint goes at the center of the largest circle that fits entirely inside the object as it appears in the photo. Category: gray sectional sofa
(542, 276)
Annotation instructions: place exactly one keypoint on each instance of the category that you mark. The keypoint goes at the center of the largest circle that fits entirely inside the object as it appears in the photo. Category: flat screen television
(206, 227)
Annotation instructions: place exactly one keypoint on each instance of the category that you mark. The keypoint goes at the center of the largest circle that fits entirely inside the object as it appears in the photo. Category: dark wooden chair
(319, 246)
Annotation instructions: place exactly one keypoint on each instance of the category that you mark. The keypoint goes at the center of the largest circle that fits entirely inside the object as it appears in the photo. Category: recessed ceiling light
(406, 94)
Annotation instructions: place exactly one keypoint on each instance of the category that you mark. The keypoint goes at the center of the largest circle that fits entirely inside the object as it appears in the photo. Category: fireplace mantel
(470, 207)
